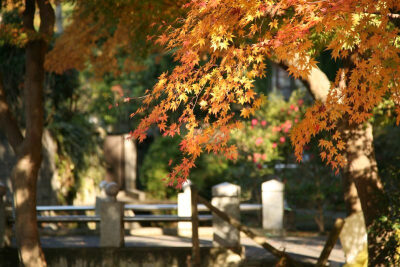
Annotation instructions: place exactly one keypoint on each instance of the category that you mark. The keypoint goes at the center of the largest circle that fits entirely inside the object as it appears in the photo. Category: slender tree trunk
(29, 158)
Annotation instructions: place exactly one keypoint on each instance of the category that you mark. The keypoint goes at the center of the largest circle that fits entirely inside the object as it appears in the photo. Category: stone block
(111, 224)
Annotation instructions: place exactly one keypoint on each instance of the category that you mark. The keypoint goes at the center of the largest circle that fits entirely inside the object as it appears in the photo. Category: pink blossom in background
(256, 157)
(259, 141)
(276, 129)
(259, 166)
(263, 123)
(296, 120)
(296, 108)
(282, 139)
(254, 122)
(300, 102)
(274, 145)
(286, 126)
(292, 107)
(264, 156)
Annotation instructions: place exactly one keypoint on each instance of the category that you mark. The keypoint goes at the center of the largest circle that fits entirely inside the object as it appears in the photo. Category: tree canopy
(221, 47)
(111, 37)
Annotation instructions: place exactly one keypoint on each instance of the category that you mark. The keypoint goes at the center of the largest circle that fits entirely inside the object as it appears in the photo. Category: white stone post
(111, 217)
(185, 210)
(272, 205)
(225, 197)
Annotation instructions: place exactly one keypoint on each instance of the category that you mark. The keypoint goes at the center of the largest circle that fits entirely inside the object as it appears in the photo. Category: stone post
(225, 197)
(130, 163)
(111, 217)
(272, 205)
(185, 210)
(3, 217)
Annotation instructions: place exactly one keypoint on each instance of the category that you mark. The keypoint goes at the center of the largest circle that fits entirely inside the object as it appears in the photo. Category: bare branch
(47, 17)
(29, 14)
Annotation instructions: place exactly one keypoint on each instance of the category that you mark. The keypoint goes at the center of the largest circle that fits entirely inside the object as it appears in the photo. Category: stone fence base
(127, 256)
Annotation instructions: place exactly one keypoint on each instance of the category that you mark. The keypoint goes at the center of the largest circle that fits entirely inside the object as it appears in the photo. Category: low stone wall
(127, 256)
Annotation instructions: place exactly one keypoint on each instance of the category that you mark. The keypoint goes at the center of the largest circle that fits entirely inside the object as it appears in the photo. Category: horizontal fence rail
(137, 218)
(134, 207)
(68, 218)
(141, 207)
(64, 208)
(164, 218)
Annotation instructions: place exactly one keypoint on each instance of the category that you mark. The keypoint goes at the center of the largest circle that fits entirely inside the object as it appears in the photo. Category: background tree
(34, 37)
(110, 37)
(28, 147)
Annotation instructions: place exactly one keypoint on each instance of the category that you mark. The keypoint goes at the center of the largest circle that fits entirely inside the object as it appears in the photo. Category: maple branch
(128, 99)
(47, 17)
(8, 123)
(29, 14)
(316, 82)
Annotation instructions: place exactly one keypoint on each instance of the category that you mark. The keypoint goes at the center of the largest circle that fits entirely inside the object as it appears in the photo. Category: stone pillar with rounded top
(273, 205)
(225, 197)
(111, 217)
(185, 209)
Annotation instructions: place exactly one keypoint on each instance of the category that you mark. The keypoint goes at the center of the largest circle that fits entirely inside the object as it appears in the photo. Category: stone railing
(110, 213)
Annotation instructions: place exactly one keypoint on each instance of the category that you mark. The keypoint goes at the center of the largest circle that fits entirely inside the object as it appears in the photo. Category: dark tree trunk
(29, 158)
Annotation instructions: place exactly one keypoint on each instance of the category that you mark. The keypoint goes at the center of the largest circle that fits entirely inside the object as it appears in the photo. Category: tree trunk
(351, 199)
(28, 149)
(363, 170)
(29, 158)
(318, 85)
(363, 188)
